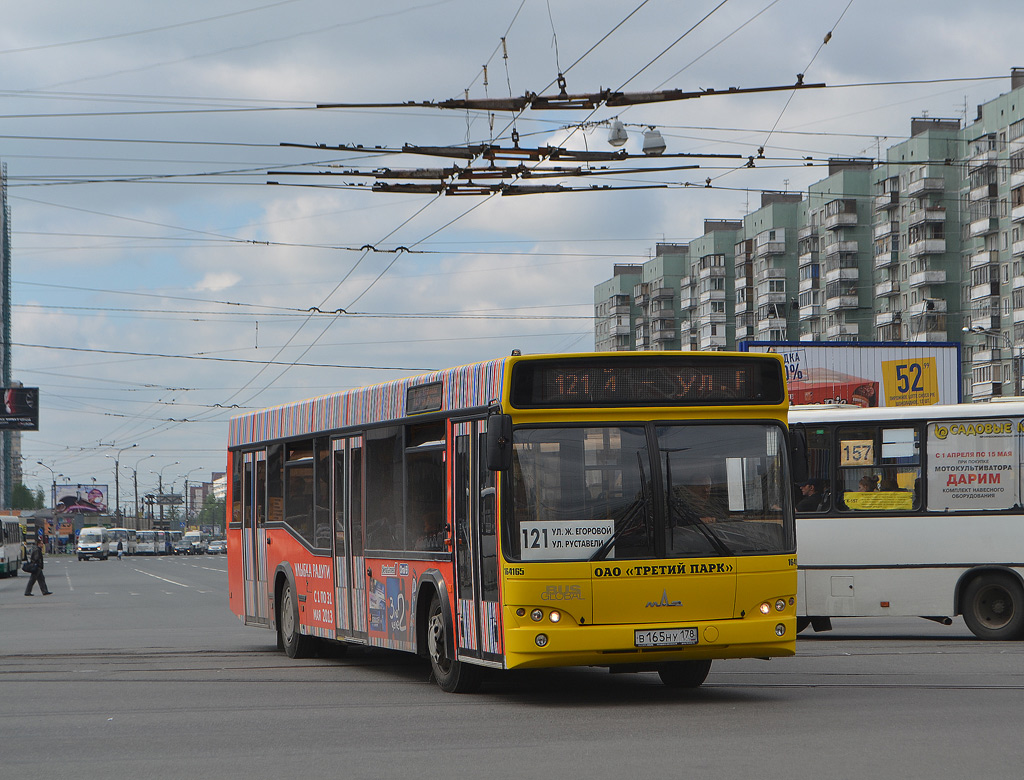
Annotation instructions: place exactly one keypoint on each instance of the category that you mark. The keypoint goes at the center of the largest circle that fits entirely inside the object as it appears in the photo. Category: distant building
(926, 245)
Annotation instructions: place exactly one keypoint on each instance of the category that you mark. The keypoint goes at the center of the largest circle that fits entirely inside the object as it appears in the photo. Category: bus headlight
(780, 629)
(765, 607)
(780, 605)
(537, 615)
(541, 640)
(555, 616)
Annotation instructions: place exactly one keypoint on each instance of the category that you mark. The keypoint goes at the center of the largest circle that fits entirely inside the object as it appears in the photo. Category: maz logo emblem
(664, 601)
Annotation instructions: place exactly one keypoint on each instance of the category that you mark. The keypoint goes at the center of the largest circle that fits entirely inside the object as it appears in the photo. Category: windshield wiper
(688, 516)
(640, 508)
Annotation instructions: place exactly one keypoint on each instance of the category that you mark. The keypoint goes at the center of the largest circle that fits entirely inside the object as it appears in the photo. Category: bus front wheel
(451, 675)
(294, 643)
(994, 607)
(684, 674)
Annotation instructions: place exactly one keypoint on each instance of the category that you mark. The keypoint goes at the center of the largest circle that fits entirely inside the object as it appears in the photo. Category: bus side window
(879, 468)
(814, 494)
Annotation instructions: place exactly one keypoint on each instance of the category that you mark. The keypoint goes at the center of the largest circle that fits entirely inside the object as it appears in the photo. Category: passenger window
(879, 469)
(814, 495)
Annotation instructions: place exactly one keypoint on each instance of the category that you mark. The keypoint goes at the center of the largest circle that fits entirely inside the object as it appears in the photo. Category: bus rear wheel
(684, 674)
(451, 675)
(994, 607)
(294, 643)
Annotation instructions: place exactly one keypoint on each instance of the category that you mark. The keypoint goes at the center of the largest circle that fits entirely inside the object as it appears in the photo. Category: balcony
(808, 258)
(924, 278)
(983, 226)
(771, 248)
(981, 291)
(842, 248)
(843, 219)
(841, 303)
(927, 246)
(841, 332)
(984, 192)
(983, 159)
(1017, 213)
(619, 330)
(1018, 282)
(1018, 248)
(839, 274)
(925, 186)
(929, 214)
(979, 259)
(885, 289)
(810, 312)
(889, 200)
(887, 318)
(886, 229)
(661, 293)
(887, 259)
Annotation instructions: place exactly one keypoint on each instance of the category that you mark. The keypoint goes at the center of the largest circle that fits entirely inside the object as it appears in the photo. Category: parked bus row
(100, 543)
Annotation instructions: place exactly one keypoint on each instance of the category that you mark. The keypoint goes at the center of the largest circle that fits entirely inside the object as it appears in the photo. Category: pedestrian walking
(120, 549)
(36, 557)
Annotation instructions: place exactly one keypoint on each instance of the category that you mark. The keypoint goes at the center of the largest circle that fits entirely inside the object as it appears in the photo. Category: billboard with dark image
(20, 410)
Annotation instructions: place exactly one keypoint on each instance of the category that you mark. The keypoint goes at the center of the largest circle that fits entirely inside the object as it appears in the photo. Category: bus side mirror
(798, 453)
(499, 442)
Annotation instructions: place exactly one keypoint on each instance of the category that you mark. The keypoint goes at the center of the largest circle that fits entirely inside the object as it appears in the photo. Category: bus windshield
(649, 491)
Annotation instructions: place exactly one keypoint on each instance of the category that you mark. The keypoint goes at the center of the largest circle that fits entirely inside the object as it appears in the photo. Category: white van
(93, 542)
(196, 542)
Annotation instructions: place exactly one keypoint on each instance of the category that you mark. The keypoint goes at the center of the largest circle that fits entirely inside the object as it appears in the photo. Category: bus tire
(684, 674)
(294, 643)
(993, 607)
(802, 623)
(450, 674)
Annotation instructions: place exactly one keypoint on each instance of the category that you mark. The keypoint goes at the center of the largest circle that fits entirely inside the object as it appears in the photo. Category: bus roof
(476, 385)
(822, 413)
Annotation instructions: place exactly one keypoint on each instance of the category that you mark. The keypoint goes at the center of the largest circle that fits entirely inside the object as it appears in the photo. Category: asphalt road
(137, 669)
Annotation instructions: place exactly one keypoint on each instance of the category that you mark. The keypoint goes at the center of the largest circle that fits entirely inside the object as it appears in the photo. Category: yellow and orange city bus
(623, 510)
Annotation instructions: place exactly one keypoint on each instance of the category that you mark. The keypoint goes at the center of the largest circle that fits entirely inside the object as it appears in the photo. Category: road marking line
(164, 579)
(67, 574)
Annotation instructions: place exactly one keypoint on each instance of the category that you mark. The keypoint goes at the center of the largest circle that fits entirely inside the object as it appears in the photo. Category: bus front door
(254, 537)
(473, 517)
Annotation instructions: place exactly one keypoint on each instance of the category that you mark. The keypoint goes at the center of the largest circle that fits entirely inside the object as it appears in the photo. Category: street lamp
(160, 487)
(135, 483)
(185, 477)
(117, 480)
(1014, 359)
(53, 489)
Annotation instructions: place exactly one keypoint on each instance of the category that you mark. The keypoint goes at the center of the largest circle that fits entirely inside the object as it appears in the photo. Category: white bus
(147, 543)
(127, 537)
(913, 511)
(93, 542)
(12, 548)
(163, 543)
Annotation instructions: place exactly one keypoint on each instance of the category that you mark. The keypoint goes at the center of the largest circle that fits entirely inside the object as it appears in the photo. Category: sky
(171, 268)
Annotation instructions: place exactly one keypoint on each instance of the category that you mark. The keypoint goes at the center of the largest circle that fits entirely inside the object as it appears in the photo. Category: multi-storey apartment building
(926, 245)
(614, 310)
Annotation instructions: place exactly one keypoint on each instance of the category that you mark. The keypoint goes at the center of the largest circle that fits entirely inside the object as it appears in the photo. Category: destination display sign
(684, 380)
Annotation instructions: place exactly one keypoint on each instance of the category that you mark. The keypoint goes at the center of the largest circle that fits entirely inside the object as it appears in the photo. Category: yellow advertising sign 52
(910, 382)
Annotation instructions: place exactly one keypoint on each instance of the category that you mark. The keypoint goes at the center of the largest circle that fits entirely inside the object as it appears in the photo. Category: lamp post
(135, 483)
(117, 480)
(53, 487)
(1015, 359)
(160, 487)
(185, 477)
